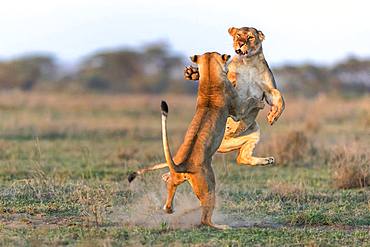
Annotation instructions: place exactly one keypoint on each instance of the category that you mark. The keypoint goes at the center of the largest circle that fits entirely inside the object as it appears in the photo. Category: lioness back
(205, 132)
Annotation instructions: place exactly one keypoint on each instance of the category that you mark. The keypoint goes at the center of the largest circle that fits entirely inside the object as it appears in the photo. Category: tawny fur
(192, 162)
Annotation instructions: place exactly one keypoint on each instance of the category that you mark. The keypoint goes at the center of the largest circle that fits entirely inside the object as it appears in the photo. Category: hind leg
(171, 190)
(203, 185)
(245, 155)
(172, 182)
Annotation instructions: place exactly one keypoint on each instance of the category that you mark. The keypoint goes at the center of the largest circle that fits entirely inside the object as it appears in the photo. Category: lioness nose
(238, 51)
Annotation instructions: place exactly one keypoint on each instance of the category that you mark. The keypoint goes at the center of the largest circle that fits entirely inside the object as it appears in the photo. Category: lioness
(216, 100)
(251, 76)
(253, 80)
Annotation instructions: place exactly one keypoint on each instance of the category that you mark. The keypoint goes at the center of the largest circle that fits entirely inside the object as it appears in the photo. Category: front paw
(274, 114)
(191, 73)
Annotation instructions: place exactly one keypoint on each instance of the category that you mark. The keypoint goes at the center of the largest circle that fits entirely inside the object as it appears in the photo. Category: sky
(318, 31)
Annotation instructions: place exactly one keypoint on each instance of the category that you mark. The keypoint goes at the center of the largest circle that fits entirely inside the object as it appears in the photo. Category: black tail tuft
(164, 107)
(132, 176)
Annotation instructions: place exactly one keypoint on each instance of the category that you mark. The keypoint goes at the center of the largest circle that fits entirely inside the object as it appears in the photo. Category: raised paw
(270, 160)
(273, 115)
(166, 177)
(255, 161)
(267, 161)
(191, 73)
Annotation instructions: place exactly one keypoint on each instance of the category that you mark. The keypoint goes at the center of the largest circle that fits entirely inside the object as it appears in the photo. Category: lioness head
(211, 61)
(247, 40)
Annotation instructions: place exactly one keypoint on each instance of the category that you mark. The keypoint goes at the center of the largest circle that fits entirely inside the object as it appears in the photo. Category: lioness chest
(247, 81)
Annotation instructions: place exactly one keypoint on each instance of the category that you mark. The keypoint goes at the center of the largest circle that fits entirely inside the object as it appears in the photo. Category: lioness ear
(232, 31)
(225, 57)
(194, 58)
(261, 36)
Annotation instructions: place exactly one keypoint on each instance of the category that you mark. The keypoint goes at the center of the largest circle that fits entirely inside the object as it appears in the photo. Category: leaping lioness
(216, 100)
(253, 80)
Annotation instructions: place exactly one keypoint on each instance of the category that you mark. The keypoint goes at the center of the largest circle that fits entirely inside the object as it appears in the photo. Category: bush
(350, 168)
(294, 147)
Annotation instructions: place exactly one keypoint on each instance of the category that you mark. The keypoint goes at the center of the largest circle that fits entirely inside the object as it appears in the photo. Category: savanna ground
(65, 160)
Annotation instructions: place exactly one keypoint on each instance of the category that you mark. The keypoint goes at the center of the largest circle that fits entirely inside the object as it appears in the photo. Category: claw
(168, 210)
(166, 177)
(273, 115)
(271, 160)
(191, 73)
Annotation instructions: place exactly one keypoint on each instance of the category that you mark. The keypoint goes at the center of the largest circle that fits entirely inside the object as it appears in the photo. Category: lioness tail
(133, 175)
(171, 164)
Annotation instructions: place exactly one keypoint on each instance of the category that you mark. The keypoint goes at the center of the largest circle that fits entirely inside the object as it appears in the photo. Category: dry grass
(350, 167)
(70, 185)
(292, 148)
(308, 128)
(95, 201)
(325, 110)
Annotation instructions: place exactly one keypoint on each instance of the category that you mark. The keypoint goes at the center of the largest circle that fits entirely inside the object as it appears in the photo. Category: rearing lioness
(216, 100)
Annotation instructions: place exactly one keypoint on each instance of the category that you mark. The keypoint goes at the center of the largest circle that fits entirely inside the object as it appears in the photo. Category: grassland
(64, 161)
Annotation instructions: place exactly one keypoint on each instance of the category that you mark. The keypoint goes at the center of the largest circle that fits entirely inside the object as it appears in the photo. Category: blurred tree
(25, 72)
(111, 70)
(151, 69)
(154, 68)
(350, 76)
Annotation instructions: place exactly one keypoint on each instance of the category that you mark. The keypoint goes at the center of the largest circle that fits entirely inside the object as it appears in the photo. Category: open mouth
(240, 52)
